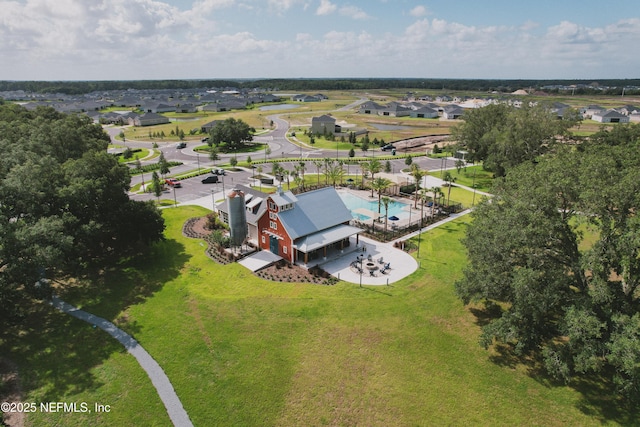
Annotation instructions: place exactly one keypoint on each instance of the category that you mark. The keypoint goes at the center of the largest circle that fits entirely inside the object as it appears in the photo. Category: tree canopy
(555, 256)
(231, 132)
(503, 136)
(63, 204)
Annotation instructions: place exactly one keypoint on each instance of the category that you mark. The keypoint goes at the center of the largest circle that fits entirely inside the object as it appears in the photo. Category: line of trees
(505, 86)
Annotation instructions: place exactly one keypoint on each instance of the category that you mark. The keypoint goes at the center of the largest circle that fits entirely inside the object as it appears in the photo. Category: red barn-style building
(304, 227)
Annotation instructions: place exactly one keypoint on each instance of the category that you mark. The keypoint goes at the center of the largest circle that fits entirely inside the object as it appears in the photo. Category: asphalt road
(279, 145)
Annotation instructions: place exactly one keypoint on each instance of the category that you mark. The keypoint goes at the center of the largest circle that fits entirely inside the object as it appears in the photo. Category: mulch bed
(280, 272)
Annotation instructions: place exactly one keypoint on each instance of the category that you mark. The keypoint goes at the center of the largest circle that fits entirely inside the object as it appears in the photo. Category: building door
(273, 245)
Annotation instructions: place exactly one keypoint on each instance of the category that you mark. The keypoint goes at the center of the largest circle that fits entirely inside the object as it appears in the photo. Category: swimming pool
(354, 203)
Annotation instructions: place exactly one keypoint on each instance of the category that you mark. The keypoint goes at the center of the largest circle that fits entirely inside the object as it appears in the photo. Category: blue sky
(186, 39)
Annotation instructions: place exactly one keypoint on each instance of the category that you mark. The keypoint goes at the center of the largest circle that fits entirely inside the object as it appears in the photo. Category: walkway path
(160, 381)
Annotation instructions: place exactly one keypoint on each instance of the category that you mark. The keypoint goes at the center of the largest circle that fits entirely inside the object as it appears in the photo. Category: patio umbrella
(393, 218)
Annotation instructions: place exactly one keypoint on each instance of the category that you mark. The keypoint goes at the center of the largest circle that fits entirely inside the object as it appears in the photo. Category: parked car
(218, 171)
(211, 179)
(205, 139)
(172, 182)
(181, 145)
(388, 147)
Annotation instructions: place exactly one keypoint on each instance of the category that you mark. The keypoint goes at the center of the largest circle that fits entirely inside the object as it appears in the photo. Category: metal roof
(326, 237)
(315, 211)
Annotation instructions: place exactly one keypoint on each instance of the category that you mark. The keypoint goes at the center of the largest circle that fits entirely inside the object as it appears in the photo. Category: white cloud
(419, 11)
(131, 39)
(326, 8)
(280, 6)
(354, 12)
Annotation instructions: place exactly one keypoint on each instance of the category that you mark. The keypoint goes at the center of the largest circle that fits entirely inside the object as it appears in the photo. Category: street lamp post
(473, 201)
(213, 201)
(198, 158)
(175, 201)
(421, 218)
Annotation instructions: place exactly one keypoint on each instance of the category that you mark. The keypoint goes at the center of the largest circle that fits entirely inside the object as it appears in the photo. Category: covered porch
(327, 244)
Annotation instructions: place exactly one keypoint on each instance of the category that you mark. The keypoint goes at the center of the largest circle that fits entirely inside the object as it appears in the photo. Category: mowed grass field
(241, 351)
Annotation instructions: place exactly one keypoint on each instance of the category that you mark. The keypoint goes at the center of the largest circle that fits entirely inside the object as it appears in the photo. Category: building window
(273, 215)
(264, 240)
(273, 225)
(284, 249)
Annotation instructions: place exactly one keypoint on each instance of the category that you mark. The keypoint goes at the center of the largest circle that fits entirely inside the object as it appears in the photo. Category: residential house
(148, 119)
(424, 112)
(591, 110)
(186, 108)
(158, 107)
(207, 127)
(305, 98)
(452, 112)
(394, 109)
(628, 110)
(370, 107)
(611, 116)
(324, 124)
(304, 227)
(560, 109)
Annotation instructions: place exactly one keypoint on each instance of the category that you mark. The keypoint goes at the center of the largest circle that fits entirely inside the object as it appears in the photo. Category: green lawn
(243, 351)
(470, 176)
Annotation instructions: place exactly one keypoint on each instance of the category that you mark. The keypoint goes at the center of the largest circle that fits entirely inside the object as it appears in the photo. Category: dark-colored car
(172, 182)
(211, 179)
(388, 147)
(181, 145)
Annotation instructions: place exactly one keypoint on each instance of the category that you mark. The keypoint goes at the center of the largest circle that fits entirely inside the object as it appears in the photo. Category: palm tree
(436, 191)
(374, 167)
(385, 201)
(297, 173)
(327, 163)
(276, 171)
(318, 164)
(334, 172)
(449, 179)
(297, 180)
(365, 167)
(417, 175)
(380, 184)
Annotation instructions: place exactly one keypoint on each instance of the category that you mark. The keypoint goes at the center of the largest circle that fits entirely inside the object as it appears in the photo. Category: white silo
(237, 217)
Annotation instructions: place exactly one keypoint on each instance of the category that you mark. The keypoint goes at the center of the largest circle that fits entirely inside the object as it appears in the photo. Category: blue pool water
(354, 202)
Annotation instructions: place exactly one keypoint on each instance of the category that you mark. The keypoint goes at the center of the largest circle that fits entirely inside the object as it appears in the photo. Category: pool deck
(401, 263)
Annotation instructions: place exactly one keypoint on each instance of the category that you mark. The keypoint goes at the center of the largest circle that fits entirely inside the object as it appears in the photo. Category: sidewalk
(160, 381)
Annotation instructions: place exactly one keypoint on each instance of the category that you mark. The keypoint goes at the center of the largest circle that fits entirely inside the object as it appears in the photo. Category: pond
(389, 127)
(184, 119)
(279, 107)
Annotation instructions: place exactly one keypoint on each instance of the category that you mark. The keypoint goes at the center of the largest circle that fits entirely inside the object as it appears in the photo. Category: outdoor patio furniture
(384, 270)
(380, 260)
(369, 257)
(372, 273)
(387, 266)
